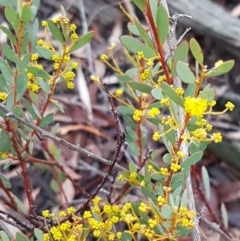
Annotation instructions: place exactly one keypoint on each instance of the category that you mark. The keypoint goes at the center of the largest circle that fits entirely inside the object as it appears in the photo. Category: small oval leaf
(193, 159)
(185, 73)
(196, 50)
(221, 69)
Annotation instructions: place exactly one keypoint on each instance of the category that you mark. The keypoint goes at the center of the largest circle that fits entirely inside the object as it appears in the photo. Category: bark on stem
(172, 41)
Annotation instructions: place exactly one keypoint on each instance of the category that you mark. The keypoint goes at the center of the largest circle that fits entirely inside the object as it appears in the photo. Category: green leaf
(22, 83)
(10, 35)
(184, 200)
(29, 108)
(178, 177)
(134, 45)
(54, 185)
(134, 149)
(21, 237)
(133, 29)
(9, 101)
(190, 90)
(157, 176)
(8, 52)
(25, 62)
(164, 139)
(20, 205)
(81, 41)
(169, 91)
(132, 167)
(26, 14)
(167, 158)
(38, 234)
(208, 94)
(5, 181)
(154, 121)
(18, 110)
(193, 159)
(224, 215)
(124, 78)
(39, 72)
(149, 193)
(143, 34)
(140, 4)
(196, 50)
(12, 17)
(4, 236)
(206, 182)
(221, 69)
(6, 74)
(45, 86)
(126, 235)
(34, 97)
(25, 43)
(45, 53)
(177, 191)
(47, 120)
(166, 211)
(180, 54)
(4, 141)
(170, 134)
(55, 31)
(132, 72)
(157, 93)
(129, 121)
(185, 73)
(154, 7)
(125, 110)
(131, 133)
(36, 111)
(141, 87)
(162, 24)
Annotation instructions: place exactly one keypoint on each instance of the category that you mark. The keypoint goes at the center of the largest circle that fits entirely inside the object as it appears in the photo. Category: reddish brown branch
(206, 202)
(149, 16)
(119, 142)
(28, 189)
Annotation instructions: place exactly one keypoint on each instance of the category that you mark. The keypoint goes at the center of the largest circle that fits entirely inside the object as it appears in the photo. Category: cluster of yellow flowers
(3, 155)
(101, 221)
(3, 96)
(62, 64)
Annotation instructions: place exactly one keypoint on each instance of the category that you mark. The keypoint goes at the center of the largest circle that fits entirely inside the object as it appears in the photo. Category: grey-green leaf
(166, 211)
(169, 91)
(134, 45)
(4, 236)
(5, 181)
(206, 182)
(196, 50)
(162, 23)
(21, 237)
(221, 69)
(185, 73)
(81, 41)
(55, 31)
(193, 159)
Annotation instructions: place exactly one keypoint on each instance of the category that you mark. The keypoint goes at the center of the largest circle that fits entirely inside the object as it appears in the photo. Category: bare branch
(57, 139)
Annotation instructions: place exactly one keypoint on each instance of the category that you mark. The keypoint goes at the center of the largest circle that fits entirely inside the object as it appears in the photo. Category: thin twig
(215, 227)
(57, 139)
(27, 184)
(119, 143)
